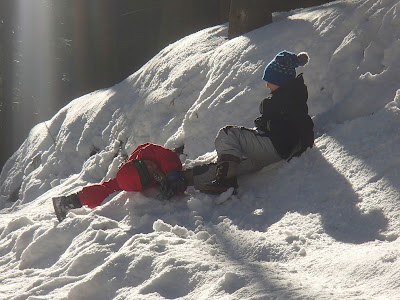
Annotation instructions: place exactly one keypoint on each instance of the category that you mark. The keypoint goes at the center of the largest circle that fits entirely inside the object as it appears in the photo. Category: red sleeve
(166, 159)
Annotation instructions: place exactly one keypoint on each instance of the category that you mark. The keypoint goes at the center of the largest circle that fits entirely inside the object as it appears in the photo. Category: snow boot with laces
(63, 204)
(225, 175)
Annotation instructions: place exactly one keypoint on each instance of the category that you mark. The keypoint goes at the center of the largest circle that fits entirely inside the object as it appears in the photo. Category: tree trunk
(247, 15)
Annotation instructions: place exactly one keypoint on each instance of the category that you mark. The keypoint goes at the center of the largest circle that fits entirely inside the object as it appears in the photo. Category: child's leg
(93, 195)
(245, 142)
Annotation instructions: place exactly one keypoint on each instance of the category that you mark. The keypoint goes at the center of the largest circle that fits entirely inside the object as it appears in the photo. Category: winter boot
(64, 204)
(201, 175)
(225, 175)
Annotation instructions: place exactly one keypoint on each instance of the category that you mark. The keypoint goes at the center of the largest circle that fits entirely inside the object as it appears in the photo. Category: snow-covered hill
(323, 226)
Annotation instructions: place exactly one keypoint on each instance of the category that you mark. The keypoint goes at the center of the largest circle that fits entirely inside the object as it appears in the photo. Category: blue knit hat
(282, 68)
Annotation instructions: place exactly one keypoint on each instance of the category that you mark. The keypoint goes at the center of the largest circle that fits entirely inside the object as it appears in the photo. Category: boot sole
(57, 210)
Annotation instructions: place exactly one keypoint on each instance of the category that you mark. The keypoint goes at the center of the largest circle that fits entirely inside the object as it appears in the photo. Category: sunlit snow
(322, 226)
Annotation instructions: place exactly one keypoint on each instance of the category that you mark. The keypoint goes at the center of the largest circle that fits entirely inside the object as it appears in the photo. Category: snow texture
(323, 226)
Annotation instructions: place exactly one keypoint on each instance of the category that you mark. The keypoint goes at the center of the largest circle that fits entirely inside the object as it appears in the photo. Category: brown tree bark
(247, 15)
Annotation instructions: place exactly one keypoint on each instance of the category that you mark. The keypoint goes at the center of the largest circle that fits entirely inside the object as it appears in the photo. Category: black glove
(176, 182)
(173, 183)
(159, 176)
(262, 124)
(161, 180)
(165, 192)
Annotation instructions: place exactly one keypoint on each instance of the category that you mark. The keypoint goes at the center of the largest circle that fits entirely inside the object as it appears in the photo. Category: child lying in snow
(149, 165)
(283, 130)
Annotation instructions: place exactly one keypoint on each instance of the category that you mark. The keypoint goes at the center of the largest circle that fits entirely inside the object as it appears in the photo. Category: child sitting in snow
(283, 130)
(148, 165)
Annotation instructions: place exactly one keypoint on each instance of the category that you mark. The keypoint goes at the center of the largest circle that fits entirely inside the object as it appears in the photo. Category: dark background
(94, 44)
(52, 52)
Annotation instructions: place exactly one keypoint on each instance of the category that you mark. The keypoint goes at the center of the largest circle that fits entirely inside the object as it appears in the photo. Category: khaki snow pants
(253, 148)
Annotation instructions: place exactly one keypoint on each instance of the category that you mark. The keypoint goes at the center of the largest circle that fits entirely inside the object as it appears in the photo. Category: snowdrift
(323, 226)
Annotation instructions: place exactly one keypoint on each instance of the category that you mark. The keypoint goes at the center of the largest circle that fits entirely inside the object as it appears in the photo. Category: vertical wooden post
(247, 15)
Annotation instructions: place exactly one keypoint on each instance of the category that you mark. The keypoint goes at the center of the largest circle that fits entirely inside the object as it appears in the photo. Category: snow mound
(322, 226)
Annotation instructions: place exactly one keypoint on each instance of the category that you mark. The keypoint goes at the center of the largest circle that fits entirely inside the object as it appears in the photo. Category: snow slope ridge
(361, 73)
(323, 226)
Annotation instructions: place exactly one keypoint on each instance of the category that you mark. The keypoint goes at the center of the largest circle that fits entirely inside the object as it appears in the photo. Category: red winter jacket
(127, 177)
(166, 159)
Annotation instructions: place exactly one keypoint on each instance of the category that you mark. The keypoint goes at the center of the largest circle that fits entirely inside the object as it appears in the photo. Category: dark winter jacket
(285, 120)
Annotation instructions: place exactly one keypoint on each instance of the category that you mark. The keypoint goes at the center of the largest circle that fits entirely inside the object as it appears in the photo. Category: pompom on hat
(282, 68)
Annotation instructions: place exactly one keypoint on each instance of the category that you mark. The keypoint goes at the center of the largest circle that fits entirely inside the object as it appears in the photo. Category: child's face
(151, 166)
(272, 87)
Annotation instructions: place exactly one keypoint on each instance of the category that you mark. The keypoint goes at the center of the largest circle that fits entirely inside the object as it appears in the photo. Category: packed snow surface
(322, 226)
